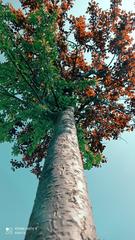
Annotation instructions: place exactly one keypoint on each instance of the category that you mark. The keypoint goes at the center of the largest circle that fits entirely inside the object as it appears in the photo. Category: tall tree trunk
(61, 209)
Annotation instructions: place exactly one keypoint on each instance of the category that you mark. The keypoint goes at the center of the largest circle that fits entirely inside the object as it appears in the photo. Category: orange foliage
(90, 92)
(107, 80)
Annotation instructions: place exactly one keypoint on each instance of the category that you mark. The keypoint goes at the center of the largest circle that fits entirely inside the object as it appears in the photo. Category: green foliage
(90, 159)
(25, 95)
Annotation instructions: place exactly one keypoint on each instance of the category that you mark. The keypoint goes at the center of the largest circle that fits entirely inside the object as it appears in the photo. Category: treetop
(53, 60)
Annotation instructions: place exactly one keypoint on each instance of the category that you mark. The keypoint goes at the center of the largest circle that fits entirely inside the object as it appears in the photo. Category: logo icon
(8, 230)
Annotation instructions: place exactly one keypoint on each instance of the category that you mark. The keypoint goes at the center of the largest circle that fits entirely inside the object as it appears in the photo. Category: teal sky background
(111, 188)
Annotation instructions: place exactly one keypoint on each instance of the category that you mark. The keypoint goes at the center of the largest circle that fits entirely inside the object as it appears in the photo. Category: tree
(52, 88)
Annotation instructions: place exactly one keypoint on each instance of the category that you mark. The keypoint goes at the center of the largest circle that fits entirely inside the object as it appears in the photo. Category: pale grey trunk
(61, 209)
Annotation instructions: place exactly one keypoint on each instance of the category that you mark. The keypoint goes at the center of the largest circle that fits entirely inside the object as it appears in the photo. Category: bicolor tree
(66, 84)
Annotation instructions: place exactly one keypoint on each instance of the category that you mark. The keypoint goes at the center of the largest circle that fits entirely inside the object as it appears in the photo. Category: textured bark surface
(61, 209)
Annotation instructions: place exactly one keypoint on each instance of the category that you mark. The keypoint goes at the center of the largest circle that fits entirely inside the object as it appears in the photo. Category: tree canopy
(53, 60)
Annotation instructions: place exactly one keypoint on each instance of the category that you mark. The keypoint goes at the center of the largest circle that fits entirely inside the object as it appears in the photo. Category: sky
(111, 188)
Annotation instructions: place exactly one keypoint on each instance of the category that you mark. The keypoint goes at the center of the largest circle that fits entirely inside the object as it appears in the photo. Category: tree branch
(6, 93)
(74, 64)
(24, 59)
(75, 44)
(99, 73)
(20, 53)
(111, 61)
(55, 98)
(87, 74)
(52, 90)
(23, 76)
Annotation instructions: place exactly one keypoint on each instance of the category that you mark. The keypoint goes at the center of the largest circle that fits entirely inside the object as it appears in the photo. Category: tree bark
(61, 209)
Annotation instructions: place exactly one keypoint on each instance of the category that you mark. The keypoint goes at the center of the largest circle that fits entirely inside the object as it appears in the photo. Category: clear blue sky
(111, 188)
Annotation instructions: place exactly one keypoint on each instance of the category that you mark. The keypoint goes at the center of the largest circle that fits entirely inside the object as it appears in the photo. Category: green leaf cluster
(90, 159)
(26, 86)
